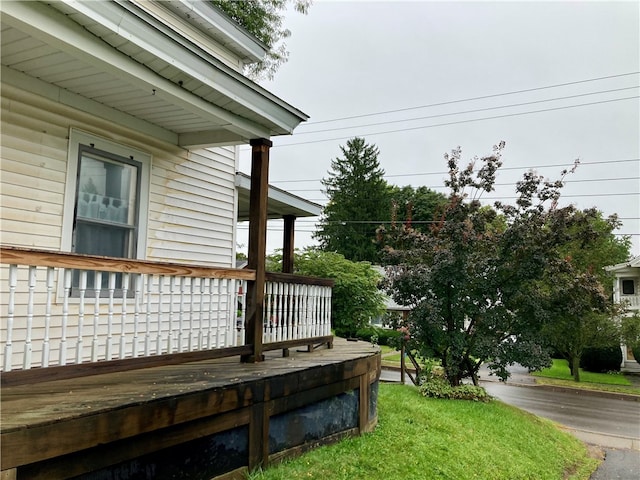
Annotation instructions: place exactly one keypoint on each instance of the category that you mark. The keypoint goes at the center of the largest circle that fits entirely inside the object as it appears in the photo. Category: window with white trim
(628, 287)
(106, 207)
(106, 202)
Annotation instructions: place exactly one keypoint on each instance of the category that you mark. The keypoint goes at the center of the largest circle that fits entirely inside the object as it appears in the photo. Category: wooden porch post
(287, 246)
(257, 245)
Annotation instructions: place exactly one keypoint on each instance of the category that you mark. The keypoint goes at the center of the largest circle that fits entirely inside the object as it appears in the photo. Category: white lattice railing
(295, 310)
(61, 309)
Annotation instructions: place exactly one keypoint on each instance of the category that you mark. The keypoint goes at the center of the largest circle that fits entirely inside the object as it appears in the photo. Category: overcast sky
(386, 64)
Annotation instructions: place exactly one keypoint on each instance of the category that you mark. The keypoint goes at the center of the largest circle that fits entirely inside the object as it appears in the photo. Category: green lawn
(395, 358)
(386, 349)
(422, 439)
(559, 374)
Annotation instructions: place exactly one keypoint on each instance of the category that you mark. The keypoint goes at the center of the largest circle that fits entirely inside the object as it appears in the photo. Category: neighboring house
(391, 307)
(128, 338)
(626, 291)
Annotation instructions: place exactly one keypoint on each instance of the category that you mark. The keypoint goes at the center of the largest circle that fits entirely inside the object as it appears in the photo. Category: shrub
(636, 353)
(382, 336)
(440, 388)
(601, 359)
(388, 337)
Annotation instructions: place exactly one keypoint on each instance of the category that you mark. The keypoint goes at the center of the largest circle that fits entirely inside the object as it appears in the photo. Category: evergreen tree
(358, 202)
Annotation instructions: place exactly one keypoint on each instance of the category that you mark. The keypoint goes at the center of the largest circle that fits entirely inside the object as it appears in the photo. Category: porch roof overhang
(279, 202)
(148, 64)
(625, 266)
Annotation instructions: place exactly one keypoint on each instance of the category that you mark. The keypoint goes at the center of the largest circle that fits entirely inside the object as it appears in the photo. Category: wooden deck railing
(61, 309)
(296, 308)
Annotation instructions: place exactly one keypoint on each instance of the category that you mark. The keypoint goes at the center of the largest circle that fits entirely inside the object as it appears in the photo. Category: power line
(598, 162)
(583, 195)
(458, 122)
(304, 220)
(474, 98)
(497, 184)
(468, 111)
(280, 229)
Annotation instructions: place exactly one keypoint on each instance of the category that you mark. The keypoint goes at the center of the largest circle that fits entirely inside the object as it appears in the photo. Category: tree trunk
(473, 370)
(575, 367)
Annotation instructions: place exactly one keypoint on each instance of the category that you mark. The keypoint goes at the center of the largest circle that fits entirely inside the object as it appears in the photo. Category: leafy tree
(264, 20)
(416, 207)
(498, 285)
(574, 295)
(577, 312)
(471, 278)
(358, 202)
(356, 297)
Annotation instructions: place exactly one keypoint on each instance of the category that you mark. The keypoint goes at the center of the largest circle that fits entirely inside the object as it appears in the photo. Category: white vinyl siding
(191, 210)
(191, 195)
(32, 183)
(191, 204)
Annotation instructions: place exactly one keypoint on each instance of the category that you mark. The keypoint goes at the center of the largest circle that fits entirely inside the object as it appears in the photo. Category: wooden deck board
(55, 400)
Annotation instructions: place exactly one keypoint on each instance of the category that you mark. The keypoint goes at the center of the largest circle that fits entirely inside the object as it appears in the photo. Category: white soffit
(279, 202)
(115, 54)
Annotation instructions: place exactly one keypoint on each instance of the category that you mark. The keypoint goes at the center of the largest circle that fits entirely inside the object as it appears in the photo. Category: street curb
(604, 440)
(578, 391)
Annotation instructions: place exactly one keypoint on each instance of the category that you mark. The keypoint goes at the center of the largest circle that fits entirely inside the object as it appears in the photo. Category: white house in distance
(625, 291)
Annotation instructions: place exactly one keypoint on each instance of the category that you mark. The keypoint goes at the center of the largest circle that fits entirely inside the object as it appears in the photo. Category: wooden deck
(67, 428)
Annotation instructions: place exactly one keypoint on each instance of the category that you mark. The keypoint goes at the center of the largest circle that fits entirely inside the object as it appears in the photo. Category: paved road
(577, 410)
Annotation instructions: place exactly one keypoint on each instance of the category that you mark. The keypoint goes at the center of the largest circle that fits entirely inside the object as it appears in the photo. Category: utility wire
(496, 184)
(598, 162)
(584, 195)
(458, 122)
(450, 102)
(485, 109)
(280, 229)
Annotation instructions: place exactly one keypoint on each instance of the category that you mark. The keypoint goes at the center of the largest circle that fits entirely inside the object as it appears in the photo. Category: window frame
(633, 286)
(80, 140)
(135, 228)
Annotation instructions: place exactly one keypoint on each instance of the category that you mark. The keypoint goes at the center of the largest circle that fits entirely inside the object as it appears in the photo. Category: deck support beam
(257, 245)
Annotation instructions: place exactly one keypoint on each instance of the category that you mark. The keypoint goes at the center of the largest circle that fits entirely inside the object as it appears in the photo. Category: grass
(423, 439)
(386, 349)
(559, 374)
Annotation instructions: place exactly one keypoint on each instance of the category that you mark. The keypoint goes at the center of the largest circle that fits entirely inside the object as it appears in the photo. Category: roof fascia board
(56, 29)
(624, 266)
(254, 49)
(243, 181)
(168, 45)
(185, 22)
(19, 80)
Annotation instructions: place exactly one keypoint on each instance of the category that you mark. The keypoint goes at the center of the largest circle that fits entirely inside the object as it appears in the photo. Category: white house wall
(191, 194)
(191, 208)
